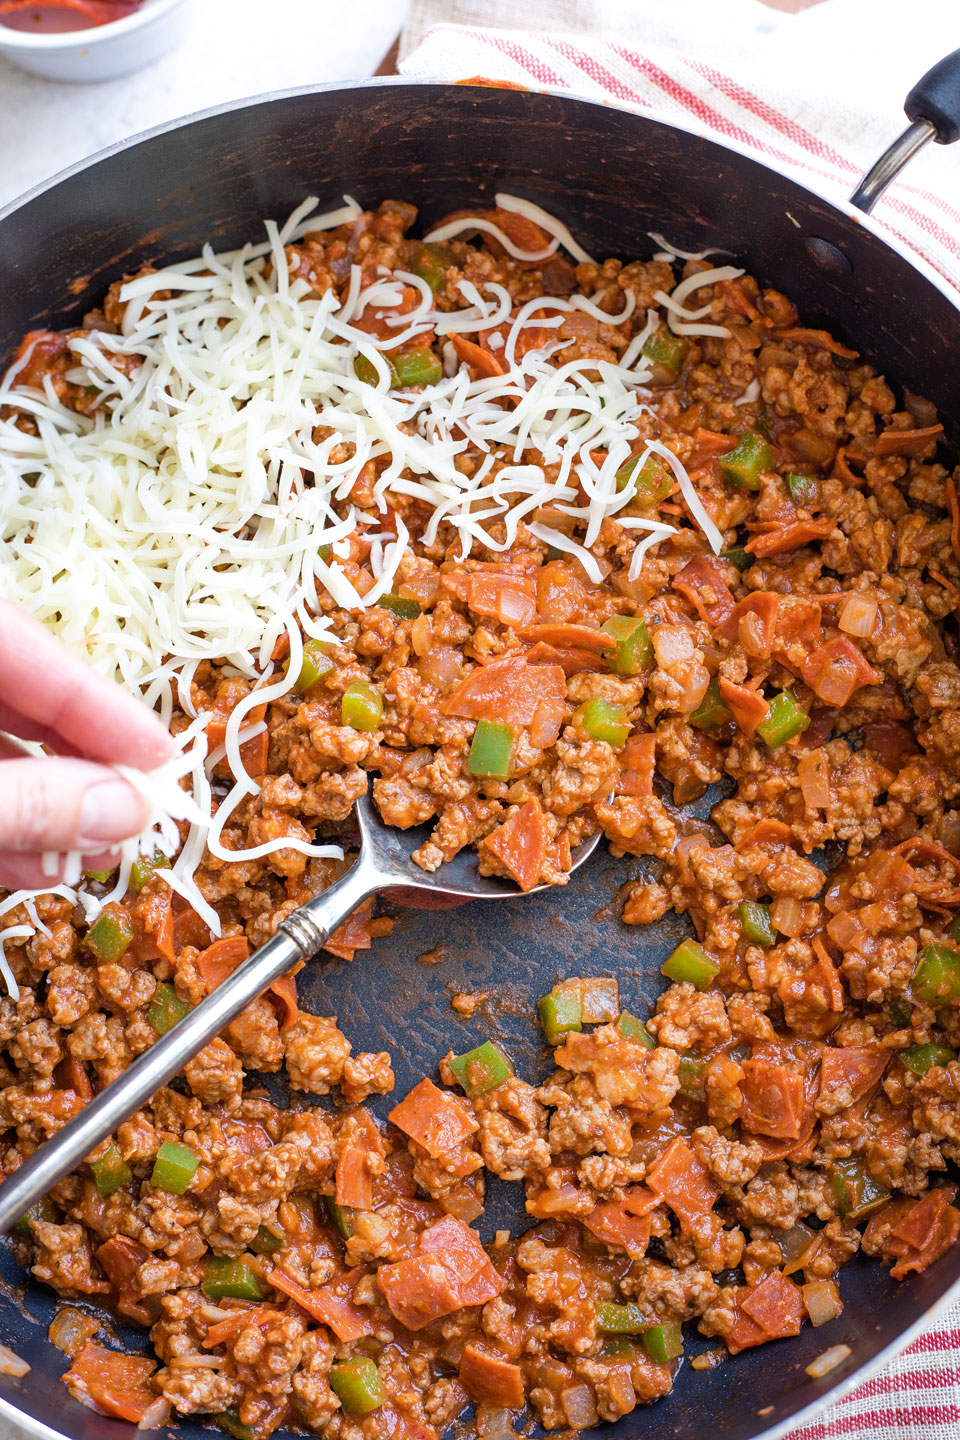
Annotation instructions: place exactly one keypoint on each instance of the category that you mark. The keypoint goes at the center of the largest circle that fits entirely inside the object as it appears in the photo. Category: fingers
(56, 692)
(62, 804)
(25, 872)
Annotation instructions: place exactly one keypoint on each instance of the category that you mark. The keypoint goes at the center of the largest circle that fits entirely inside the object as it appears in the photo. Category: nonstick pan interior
(612, 176)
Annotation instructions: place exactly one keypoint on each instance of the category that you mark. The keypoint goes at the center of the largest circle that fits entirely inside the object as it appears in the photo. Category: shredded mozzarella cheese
(196, 510)
(687, 322)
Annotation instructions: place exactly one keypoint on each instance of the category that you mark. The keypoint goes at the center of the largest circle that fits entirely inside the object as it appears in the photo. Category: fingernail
(110, 811)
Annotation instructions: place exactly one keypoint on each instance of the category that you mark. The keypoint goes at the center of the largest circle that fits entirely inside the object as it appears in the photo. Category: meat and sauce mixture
(794, 1097)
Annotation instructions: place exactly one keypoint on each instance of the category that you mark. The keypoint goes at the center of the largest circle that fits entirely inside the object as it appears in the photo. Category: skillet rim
(843, 207)
(862, 1373)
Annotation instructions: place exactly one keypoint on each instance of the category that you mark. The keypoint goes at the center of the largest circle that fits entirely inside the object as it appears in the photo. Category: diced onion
(786, 912)
(794, 1242)
(835, 684)
(822, 1299)
(813, 772)
(673, 645)
(493, 1422)
(579, 1406)
(858, 615)
(828, 1361)
(600, 1000)
(554, 519)
(11, 1364)
(709, 1359)
(71, 1329)
(155, 1415)
(462, 1203)
(845, 930)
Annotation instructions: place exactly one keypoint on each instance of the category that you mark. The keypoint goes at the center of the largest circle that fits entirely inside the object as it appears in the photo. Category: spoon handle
(299, 936)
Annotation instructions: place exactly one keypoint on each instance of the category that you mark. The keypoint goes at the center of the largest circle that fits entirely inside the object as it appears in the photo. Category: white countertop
(235, 48)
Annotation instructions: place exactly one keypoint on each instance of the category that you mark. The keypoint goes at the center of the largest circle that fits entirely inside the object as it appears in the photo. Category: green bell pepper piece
(267, 1242)
(666, 349)
(397, 605)
(633, 1029)
(739, 557)
(230, 1423)
(632, 646)
(560, 1012)
(603, 721)
(417, 367)
(620, 1319)
(110, 1171)
(783, 720)
(315, 663)
(712, 712)
(43, 1210)
(341, 1215)
(900, 1011)
(857, 1193)
(757, 925)
(101, 876)
(361, 706)
(483, 1069)
(921, 1058)
(356, 1385)
(936, 978)
(691, 964)
(145, 867)
(690, 1074)
(174, 1167)
(227, 1278)
(621, 1347)
(651, 482)
(741, 467)
(491, 750)
(110, 936)
(804, 490)
(431, 263)
(664, 1343)
(166, 1008)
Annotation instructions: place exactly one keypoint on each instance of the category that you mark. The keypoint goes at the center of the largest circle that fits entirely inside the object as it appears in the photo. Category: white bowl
(101, 52)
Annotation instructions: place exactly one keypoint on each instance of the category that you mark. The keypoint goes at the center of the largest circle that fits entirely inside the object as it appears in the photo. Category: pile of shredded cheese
(186, 518)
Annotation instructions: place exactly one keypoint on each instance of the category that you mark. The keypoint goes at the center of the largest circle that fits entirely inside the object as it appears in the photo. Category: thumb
(61, 804)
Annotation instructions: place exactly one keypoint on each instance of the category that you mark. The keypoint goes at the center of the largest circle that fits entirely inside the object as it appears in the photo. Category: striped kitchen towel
(818, 95)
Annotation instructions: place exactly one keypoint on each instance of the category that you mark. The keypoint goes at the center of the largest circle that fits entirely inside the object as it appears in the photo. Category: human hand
(66, 801)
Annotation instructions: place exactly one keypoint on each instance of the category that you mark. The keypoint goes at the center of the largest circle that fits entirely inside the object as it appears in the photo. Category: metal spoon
(384, 862)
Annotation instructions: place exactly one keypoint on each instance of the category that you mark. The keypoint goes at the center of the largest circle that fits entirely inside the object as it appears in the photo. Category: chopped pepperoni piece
(508, 690)
(487, 1375)
(773, 1100)
(448, 1270)
(624, 1222)
(837, 670)
(789, 537)
(346, 1320)
(703, 585)
(360, 1160)
(520, 844)
(851, 1072)
(767, 1311)
(678, 1177)
(434, 1118)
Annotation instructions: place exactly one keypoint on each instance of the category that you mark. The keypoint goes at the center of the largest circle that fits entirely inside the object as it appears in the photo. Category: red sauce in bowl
(58, 16)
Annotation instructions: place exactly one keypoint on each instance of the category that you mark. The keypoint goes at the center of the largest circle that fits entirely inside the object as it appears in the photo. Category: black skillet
(612, 176)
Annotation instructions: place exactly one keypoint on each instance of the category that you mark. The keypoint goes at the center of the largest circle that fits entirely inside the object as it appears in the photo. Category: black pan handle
(937, 98)
(933, 108)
